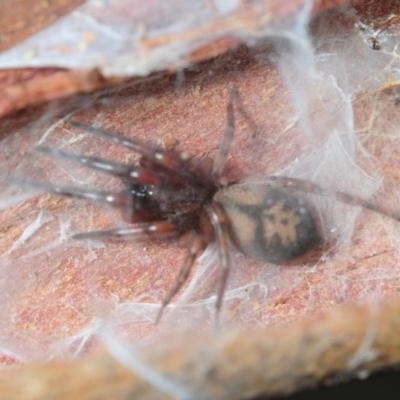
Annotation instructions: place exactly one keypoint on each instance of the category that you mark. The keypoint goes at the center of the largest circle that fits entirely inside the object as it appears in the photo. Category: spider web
(112, 290)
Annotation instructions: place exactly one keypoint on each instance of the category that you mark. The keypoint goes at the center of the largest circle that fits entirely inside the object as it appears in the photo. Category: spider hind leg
(306, 186)
(194, 250)
(220, 224)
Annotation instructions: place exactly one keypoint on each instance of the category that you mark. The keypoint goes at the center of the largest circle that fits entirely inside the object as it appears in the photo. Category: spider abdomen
(267, 223)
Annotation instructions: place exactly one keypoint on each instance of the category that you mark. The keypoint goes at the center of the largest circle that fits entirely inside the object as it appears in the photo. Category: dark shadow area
(368, 389)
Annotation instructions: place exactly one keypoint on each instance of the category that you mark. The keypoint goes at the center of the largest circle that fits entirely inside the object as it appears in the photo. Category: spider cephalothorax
(168, 195)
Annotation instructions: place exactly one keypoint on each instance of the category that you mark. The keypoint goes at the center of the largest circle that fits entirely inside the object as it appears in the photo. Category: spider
(169, 195)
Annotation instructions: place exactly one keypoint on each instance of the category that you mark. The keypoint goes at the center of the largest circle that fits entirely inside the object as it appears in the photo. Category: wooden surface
(71, 299)
(235, 365)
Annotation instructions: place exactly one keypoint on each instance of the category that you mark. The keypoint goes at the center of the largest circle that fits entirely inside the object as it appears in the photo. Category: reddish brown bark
(53, 286)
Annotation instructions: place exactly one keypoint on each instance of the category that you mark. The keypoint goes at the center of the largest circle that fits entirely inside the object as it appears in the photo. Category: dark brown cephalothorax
(169, 195)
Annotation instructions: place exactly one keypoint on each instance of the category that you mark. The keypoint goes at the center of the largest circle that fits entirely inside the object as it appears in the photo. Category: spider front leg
(129, 172)
(140, 231)
(158, 157)
(102, 197)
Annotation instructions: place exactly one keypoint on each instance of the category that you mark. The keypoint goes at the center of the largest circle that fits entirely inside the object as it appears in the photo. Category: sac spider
(168, 195)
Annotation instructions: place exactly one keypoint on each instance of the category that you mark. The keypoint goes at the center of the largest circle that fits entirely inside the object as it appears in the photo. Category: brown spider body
(184, 205)
(267, 223)
(169, 195)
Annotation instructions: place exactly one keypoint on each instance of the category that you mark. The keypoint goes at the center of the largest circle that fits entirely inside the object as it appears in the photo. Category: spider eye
(268, 223)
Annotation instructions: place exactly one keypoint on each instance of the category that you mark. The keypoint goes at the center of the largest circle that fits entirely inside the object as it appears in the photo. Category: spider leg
(194, 249)
(222, 156)
(140, 231)
(133, 173)
(220, 224)
(158, 157)
(113, 199)
(310, 187)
